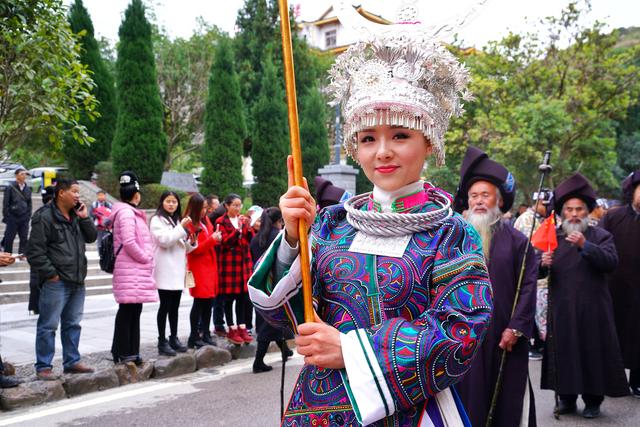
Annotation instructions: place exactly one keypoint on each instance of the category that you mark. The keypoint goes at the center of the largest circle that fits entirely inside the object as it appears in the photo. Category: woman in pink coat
(133, 282)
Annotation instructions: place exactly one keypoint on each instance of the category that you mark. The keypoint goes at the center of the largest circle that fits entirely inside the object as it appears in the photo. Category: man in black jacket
(16, 211)
(56, 252)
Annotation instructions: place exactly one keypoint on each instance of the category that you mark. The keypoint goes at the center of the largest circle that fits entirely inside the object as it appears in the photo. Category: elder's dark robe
(624, 224)
(582, 354)
(476, 389)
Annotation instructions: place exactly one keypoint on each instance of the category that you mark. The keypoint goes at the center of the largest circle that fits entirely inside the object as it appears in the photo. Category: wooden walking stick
(296, 152)
(544, 169)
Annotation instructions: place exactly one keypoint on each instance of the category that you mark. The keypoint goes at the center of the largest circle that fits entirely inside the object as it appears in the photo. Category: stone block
(77, 384)
(130, 373)
(243, 351)
(181, 364)
(9, 369)
(144, 371)
(210, 356)
(31, 393)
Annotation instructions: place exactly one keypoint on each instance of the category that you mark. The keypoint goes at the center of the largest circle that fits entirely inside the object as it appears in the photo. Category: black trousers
(126, 334)
(262, 348)
(200, 315)
(169, 306)
(589, 399)
(248, 311)
(218, 312)
(634, 378)
(16, 227)
(229, 299)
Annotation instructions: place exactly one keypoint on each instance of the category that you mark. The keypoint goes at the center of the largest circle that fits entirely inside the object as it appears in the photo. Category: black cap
(327, 194)
(576, 186)
(629, 185)
(20, 169)
(476, 166)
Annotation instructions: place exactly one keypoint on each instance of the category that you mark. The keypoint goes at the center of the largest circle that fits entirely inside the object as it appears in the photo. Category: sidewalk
(18, 327)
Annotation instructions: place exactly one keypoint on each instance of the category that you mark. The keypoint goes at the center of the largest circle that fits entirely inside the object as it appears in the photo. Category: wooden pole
(296, 152)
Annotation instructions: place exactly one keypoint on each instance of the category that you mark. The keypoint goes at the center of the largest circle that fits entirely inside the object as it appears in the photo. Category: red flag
(545, 236)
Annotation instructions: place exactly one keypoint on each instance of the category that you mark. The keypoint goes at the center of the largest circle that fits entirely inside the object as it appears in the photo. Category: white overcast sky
(178, 17)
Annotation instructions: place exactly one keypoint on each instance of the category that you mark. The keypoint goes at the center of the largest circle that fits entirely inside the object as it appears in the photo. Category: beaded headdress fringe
(386, 117)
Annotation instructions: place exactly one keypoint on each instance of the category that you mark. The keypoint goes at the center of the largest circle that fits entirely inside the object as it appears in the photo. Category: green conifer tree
(139, 143)
(270, 139)
(224, 126)
(313, 134)
(81, 159)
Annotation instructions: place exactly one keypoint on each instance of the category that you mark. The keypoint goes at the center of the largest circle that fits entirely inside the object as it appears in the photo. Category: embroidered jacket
(410, 326)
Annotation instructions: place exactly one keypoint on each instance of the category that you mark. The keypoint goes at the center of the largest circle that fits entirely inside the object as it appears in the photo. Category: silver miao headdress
(399, 75)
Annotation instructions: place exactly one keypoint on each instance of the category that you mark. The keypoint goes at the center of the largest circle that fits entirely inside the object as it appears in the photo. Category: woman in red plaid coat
(234, 266)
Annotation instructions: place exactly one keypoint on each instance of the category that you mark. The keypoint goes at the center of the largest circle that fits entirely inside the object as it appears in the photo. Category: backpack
(100, 215)
(106, 252)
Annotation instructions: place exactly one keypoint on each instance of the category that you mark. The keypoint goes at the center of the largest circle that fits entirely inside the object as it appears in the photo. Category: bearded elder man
(486, 191)
(624, 224)
(582, 354)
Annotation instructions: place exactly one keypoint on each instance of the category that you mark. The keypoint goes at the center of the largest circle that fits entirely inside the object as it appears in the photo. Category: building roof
(329, 17)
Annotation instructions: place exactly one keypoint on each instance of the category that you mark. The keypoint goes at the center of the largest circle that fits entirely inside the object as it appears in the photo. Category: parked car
(8, 173)
(37, 176)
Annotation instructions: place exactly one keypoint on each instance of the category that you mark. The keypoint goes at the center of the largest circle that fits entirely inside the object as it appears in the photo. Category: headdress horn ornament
(399, 75)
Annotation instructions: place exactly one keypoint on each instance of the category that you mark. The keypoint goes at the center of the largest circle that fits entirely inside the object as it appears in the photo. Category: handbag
(189, 280)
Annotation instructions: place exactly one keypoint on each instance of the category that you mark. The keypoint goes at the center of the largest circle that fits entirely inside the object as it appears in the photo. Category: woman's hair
(194, 209)
(127, 192)
(268, 219)
(220, 211)
(161, 212)
(129, 186)
(230, 198)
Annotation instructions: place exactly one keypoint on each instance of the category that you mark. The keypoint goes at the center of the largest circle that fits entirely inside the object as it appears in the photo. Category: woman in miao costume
(400, 285)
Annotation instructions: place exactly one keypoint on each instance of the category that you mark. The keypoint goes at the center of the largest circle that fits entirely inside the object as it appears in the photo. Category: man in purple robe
(624, 224)
(582, 354)
(486, 190)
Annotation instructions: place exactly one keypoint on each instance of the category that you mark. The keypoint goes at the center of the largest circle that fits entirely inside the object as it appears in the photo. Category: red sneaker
(234, 336)
(244, 334)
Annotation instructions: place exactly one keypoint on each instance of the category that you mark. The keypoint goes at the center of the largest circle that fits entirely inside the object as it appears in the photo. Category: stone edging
(35, 392)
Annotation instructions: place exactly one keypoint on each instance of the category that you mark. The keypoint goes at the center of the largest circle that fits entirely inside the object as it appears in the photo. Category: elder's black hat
(328, 194)
(575, 186)
(477, 166)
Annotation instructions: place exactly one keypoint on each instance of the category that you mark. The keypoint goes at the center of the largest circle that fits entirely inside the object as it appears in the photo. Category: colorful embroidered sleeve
(278, 297)
(400, 363)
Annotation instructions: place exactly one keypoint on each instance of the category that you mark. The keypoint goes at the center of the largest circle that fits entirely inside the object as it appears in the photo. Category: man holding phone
(56, 251)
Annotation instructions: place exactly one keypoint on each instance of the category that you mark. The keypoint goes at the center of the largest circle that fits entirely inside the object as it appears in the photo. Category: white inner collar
(386, 198)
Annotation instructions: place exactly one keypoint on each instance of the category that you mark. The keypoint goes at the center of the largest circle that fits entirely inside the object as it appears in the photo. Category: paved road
(230, 396)
(18, 327)
(233, 396)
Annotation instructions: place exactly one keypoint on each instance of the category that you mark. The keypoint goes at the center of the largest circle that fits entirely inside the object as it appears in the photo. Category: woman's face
(170, 204)
(392, 157)
(205, 208)
(233, 208)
